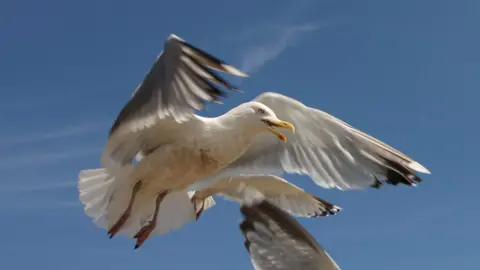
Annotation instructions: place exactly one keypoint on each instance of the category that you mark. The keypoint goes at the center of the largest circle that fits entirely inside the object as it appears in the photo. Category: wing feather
(333, 153)
(276, 190)
(178, 83)
(275, 240)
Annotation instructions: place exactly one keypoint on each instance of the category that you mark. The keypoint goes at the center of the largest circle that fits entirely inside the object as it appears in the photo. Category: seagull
(174, 147)
(178, 151)
(274, 240)
(276, 190)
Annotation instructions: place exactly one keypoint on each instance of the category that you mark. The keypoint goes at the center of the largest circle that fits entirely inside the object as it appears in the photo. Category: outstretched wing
(327, 149)
(280, 192)
(275, 240)
(179, 82)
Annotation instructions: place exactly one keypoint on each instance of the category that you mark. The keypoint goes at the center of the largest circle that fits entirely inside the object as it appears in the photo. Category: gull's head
(261, 118)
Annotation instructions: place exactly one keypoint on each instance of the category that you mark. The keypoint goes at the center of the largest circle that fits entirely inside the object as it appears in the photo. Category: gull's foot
(144, 233)
(126, 214)
(118, 225)
(146, 230)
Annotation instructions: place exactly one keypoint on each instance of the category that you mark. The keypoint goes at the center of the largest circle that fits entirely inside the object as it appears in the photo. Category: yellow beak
(280, 124)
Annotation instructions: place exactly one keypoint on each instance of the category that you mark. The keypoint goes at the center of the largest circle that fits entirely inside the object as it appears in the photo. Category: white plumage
(179, 151)
(276, 190)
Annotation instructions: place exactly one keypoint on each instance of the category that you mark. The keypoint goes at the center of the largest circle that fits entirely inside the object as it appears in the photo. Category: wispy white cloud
(279, 40)
(266, 40)
(29, 187)
(40, 205)
(31, 159)
(57, 133)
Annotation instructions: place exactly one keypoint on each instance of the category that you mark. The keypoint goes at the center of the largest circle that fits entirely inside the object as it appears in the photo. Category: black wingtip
(377, 184)
(396, 174)
(214, 62)
(325, 209)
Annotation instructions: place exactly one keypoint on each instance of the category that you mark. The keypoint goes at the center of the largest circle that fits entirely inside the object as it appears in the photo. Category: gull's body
(181, 151)
(169, 168)
(275, 240)
(276, 190)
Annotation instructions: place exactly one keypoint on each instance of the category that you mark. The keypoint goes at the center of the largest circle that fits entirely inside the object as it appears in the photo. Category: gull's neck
(232, 121)
(237, 125)
(227, 137)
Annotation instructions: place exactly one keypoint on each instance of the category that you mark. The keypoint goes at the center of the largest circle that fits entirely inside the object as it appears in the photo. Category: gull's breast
(175, 166)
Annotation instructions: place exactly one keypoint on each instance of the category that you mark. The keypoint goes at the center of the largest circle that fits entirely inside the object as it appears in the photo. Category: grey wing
(275, 240)
(327, 149)
(179, 82)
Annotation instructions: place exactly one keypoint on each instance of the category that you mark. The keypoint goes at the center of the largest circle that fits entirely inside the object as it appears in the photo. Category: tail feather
(106, 197)
(91, 178)
(93, 187)
(175, 211)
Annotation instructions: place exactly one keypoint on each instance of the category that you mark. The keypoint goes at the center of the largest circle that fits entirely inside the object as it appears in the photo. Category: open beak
(273, 124)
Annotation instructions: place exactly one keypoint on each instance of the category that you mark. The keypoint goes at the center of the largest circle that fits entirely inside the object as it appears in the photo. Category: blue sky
(407, 72)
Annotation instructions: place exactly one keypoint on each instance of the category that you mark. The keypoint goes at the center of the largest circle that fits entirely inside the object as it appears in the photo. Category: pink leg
(200, 211)
(144, 233)
(126, 214)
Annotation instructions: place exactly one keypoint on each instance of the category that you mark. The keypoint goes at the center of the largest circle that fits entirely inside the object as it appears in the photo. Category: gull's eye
(260, 111)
